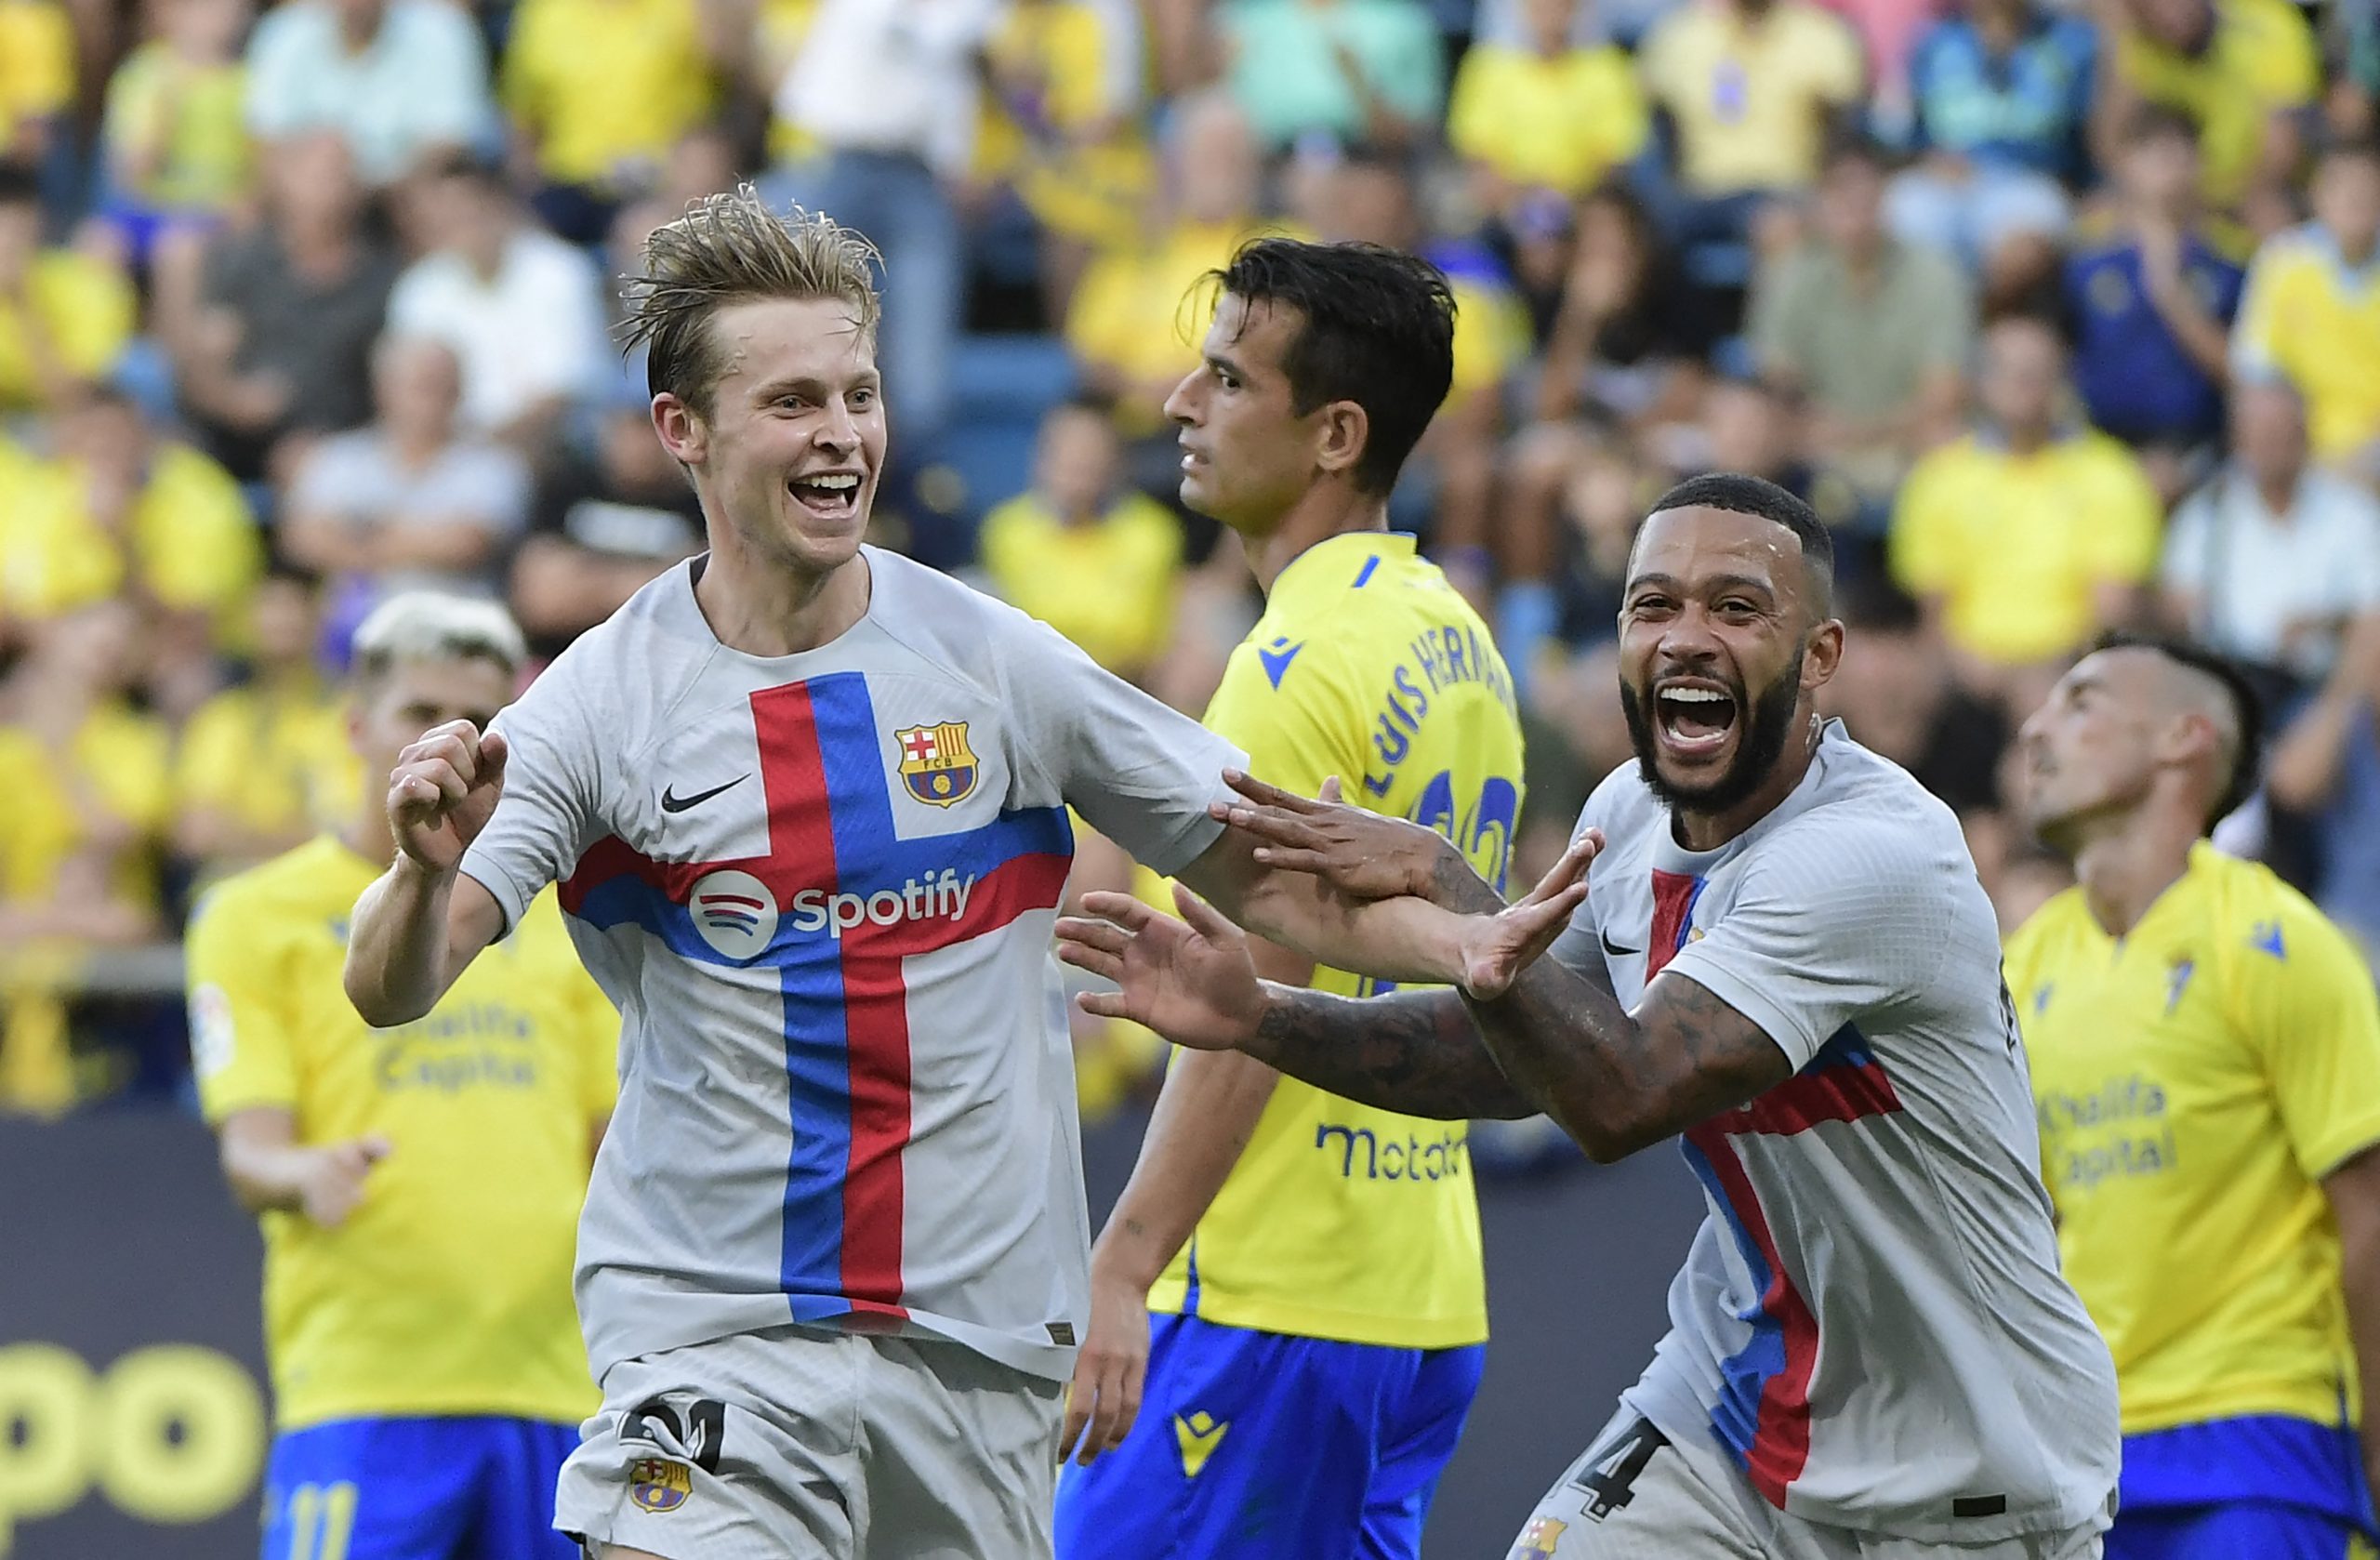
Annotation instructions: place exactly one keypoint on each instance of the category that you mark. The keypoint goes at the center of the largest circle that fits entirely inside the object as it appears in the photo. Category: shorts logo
(1539, 1538)
(655, 1484)
(735, 913)
(1197, 1436)
(936, 763)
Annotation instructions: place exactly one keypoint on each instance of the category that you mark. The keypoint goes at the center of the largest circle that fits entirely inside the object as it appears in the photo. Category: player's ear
(1821, 653)
(1339, 437)
(682, 431)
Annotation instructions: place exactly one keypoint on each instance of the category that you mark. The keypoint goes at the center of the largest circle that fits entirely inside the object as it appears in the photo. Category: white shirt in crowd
(536, 330)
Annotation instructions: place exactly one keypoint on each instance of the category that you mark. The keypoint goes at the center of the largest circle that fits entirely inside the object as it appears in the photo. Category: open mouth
(829, 495)
(1693, 719)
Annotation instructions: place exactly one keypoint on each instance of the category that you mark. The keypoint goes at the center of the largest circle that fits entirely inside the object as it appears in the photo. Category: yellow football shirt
(197, 121)
(84, 308)
(2309, 318)
(2195, 1081)
(2016, 545)
(2262, 60)
(194, 545)
(278, 760)
(119, 759)
(1340, 1221)
(1751, 99)
(448, 1291)
(600, 84)
(1109, 585)
(1562, 122)
(36, 63)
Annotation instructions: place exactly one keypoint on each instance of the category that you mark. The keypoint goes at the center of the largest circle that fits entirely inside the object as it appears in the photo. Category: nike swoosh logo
(679, 803)
(1615, 949)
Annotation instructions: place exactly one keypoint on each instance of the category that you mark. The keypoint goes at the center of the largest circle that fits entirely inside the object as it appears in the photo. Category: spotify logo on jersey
(735, 913)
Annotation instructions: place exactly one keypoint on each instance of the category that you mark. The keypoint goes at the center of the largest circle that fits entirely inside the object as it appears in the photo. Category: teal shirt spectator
(2026, 108)
(1286, 74)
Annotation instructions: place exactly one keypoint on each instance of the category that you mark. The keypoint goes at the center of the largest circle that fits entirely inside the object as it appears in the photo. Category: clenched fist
(442, 792)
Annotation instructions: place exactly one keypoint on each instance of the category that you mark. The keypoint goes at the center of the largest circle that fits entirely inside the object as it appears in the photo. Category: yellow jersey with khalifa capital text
(2195, 1080)
(1341, 1220)
(449, 1290)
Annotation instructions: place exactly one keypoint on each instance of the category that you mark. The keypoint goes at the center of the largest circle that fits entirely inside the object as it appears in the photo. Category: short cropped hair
(1737, 493)
(1377, 329)
(730, 248)
(429, 625)
(2247, 709)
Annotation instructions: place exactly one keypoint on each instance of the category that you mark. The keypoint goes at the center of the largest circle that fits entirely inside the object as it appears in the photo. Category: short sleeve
(1838, 69)
(2255, 347)
(2313, 1016)
(1657, 64)
(1471, 127)
(1801, 973)
(546, 818)
(240, 1025)
(1141, 771)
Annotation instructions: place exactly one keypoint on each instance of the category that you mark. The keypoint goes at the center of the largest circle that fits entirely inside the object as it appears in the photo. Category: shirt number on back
(1484, 832)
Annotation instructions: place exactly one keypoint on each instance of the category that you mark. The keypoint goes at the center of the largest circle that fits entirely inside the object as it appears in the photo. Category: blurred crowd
(2067, 316)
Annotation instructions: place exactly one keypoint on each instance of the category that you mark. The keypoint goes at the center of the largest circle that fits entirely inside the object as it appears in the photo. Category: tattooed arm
(1411, 1052)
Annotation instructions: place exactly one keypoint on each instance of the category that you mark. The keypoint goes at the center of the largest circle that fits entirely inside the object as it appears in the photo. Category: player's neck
(1323, 513)
(770, 610)
(2123, 867)
(1708, 831)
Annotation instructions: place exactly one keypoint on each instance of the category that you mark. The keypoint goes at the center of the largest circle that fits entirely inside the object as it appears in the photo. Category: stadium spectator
(404, 83)
(412, 502)
(2326, 764)
(65, 315)
(2031, 533)
(86, 773)
(123, 511)
(2001, 91)
(1548, 118)
(517, 307)
(1333, 72)
(2150, 298)
(2242, 70)
(37, 68)
(1749, 91)
(288, 309)
(598, 93)
(2312, 309)
(2271, 560)
(1065, 131)
(1124, 325)
(601, 524)
(264, 765)
(1873, 335)
(1083, 551)
(175, 142)
(885, 95)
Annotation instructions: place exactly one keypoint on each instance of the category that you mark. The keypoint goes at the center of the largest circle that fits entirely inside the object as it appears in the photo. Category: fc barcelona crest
(936, 763)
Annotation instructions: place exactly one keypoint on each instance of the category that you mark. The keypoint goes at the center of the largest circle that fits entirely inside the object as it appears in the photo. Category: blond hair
(730, 248)
(429, 625)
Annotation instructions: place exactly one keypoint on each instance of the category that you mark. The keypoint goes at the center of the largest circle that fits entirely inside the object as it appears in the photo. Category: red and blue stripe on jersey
(847, 1043)
(1763, 1415)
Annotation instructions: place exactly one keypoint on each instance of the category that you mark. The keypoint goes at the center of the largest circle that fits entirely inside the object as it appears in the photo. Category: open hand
(1496, 948)
(1360, 854)
(1190, 979)
(442, 791)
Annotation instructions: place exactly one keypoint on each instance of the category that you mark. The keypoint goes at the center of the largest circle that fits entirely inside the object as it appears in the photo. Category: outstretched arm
(1615, 1080)
(1192, 980)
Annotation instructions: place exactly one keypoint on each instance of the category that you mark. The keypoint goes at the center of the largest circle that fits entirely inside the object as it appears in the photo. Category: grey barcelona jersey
(820, 890)
(1870, 1322)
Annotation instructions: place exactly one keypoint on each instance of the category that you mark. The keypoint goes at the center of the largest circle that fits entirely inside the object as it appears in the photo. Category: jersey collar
(1346, 561)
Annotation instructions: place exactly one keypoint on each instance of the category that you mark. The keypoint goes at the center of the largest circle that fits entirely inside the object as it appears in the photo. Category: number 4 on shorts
(1610, 1476)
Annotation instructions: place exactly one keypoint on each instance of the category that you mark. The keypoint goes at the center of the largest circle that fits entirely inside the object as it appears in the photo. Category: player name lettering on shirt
(942, 896)
(1440, 657)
